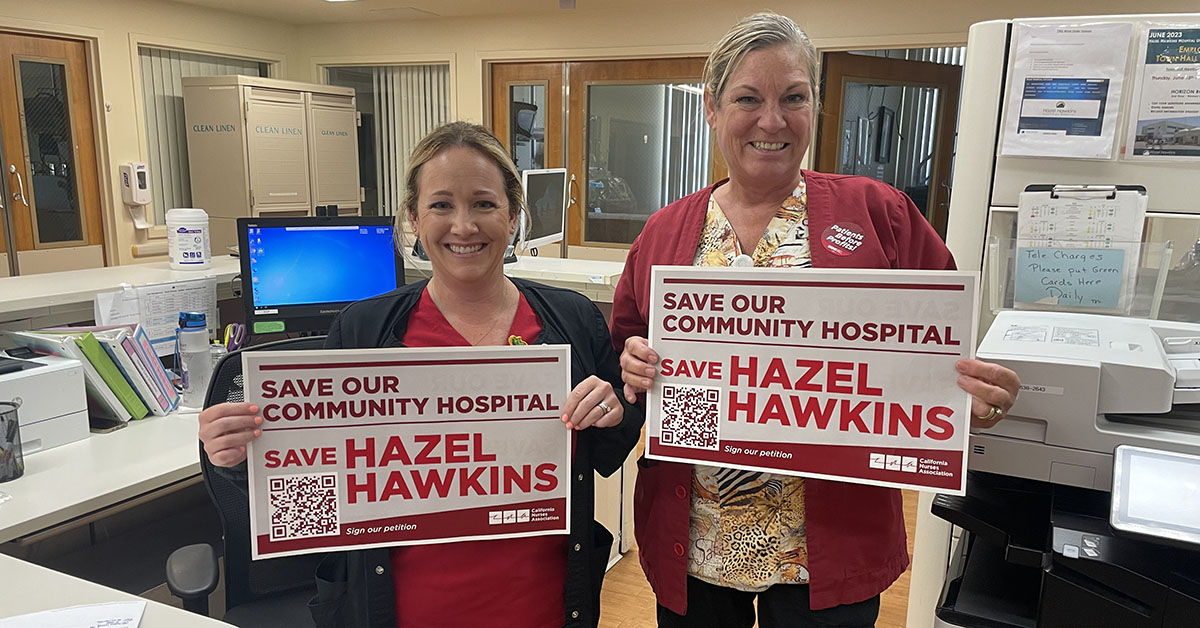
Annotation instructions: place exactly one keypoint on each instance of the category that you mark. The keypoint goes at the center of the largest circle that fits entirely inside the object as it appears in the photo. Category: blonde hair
(756, 32)
(470, 136)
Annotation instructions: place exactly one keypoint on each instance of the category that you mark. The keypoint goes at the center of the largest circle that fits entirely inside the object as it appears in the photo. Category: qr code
(303, 506)
(690, 417)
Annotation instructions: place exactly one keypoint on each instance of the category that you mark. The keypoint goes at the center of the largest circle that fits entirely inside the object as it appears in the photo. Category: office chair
(271, 592)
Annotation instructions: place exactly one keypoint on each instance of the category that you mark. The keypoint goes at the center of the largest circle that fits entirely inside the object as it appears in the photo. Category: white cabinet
(264, 147)
(333, 159)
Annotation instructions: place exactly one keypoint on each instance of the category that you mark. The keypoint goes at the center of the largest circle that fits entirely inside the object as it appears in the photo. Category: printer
(1083, 504)
(1088, 384)
(51, 396)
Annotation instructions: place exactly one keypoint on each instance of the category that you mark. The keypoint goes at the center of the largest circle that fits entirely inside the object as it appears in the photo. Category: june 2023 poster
(1166, 120)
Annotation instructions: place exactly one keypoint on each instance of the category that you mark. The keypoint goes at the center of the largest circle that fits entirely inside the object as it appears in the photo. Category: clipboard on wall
(1078, 247)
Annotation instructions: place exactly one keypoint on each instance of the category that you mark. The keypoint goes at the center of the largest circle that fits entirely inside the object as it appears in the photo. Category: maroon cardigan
(856, 538)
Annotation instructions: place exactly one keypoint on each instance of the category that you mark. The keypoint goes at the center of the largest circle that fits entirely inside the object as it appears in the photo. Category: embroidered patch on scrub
(842, 238)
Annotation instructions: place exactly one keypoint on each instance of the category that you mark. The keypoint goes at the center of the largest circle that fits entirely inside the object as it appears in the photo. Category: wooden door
(608, 150)
(51, 205)
(527, 112)
(868, 140)
(629, 119)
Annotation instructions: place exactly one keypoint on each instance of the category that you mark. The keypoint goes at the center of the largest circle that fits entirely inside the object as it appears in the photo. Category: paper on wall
(156, 308)
(1066, 89)
(1165, 120)
(116, 308)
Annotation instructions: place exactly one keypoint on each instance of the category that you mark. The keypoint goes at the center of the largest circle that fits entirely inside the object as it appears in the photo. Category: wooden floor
(628, 602)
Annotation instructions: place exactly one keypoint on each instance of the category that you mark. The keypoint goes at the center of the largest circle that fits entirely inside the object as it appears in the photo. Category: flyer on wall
(1065, 90)
(836, 374)
(1166, 120)
(384, 447)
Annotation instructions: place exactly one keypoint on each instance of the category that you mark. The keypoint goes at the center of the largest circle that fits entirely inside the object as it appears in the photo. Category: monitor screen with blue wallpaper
(298, 273)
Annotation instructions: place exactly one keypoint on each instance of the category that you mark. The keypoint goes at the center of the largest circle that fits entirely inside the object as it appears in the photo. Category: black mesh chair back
(249, 581)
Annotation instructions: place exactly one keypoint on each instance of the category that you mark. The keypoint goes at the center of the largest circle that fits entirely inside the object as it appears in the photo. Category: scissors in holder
(235, 336)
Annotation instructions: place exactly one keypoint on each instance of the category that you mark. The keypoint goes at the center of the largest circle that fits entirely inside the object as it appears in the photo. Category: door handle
(18, 196)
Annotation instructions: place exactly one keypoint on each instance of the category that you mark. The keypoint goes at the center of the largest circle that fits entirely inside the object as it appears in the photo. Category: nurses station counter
(52, 299)
(71, 486)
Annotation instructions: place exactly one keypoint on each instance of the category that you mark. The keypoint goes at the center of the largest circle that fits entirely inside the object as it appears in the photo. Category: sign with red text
(836, 374)
(382, 447)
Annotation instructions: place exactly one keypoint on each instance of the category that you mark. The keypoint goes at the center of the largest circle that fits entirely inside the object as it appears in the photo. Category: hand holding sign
(592, 404)
(637, 367)
(991, 386)
(226, 429)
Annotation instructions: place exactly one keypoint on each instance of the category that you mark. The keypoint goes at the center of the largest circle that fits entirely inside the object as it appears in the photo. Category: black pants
(781, 606)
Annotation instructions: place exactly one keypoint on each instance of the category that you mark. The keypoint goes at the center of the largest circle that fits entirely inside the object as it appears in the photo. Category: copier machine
(1083, 505)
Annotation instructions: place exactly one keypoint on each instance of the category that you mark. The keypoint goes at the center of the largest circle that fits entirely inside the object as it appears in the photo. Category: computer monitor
(298, 273)
(546, 197)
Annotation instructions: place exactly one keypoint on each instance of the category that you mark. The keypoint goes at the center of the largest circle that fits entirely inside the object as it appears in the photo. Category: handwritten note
(1055, 222)
(1074, 277)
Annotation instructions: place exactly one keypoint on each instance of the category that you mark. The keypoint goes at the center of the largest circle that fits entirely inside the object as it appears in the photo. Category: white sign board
(383, 447)
(837, 374)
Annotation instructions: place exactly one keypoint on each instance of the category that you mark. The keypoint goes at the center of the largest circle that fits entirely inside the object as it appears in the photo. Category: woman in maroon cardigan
(712, 540)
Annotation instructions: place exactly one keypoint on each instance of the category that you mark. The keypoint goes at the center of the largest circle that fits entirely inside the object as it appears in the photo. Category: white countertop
(28, 588)
(45, 291)
(61, 298)
(101, 470)
(595, 279)
(73, 480)
(559, 269)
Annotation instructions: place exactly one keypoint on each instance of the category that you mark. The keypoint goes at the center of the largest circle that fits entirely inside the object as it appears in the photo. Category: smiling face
(763, 120)
(463, 217)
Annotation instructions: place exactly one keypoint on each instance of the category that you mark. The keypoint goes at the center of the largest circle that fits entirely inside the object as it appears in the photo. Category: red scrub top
(517, 583)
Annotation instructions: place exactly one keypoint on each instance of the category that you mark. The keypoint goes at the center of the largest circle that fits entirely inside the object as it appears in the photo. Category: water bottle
(193, 358)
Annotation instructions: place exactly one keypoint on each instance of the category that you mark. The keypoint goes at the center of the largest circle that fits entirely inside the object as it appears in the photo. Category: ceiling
(322, 12)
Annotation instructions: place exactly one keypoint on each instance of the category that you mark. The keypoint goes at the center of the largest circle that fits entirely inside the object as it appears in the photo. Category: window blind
(166, 134)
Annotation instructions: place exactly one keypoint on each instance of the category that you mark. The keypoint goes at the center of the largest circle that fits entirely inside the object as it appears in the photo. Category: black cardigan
(354, 588)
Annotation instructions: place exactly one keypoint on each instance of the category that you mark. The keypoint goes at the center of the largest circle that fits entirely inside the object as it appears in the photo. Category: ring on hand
(994, 414)
(604, 407)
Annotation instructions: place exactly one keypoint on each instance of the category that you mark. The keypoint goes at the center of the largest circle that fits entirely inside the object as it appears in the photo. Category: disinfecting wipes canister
(187, 238)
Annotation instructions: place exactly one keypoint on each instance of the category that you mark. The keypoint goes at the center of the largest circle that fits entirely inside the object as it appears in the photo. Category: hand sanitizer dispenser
(135, 183)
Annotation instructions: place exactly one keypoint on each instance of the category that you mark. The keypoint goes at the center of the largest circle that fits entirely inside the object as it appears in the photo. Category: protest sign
(837, 374)
(381, 447)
